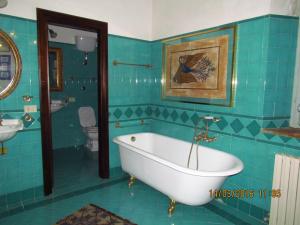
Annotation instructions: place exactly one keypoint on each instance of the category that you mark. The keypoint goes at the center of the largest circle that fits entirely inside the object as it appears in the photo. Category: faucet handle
(216, 119)
(211, 139)
(204, 137)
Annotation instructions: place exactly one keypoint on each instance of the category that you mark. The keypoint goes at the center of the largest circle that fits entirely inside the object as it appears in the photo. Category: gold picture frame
(200, 67)
(55, 57)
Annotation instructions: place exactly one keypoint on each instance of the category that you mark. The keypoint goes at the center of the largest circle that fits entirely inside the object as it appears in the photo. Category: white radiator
(285, 210)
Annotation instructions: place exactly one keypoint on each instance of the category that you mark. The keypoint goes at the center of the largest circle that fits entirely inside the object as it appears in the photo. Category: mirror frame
(59, 64)
(18, 63)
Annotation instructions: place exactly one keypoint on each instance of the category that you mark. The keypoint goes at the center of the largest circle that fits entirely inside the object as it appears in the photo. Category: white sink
(56, 105)
(9, 128)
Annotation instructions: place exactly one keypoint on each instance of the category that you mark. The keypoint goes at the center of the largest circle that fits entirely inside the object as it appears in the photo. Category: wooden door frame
(44, 18)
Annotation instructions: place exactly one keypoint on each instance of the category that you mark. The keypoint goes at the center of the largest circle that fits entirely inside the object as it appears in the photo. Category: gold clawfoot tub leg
(172, 206)
(131, 181)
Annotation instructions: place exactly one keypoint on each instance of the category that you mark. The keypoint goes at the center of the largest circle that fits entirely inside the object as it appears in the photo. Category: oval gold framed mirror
(10, 65)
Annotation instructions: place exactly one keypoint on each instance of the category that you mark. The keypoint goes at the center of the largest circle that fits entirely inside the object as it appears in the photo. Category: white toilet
(88, 123)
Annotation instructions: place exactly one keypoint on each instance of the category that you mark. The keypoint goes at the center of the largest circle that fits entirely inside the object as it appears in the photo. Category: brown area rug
(93, 215)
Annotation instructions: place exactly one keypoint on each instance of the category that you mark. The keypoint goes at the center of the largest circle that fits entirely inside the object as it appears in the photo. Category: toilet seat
(91, 129)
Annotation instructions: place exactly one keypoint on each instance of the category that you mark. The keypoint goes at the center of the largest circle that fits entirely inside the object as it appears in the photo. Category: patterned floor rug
(93, 215)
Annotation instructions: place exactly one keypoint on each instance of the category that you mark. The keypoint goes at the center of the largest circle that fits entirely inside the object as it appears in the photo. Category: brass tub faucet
(202, 135)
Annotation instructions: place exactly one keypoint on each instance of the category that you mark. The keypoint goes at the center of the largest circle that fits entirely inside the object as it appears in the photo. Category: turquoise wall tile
(21, 167)
(129, 84)
(135, 95)
(259, 73)
(130, 89)
(280, 66)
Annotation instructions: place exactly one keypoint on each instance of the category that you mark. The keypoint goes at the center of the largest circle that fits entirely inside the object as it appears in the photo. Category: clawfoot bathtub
(161, 162)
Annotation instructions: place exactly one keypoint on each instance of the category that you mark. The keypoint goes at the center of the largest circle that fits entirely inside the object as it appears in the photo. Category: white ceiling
(67, 35)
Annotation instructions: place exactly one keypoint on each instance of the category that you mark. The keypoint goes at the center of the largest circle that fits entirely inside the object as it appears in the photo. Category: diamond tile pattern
(118, 113)
(236, 125)
(157, 112)
(165, 113)
(253, 128)
(174, 115)
(184, 117)
(139, 111)
(285, 124)
(271, 125)
(148, 111)
(222, 123)
(195, 118)
(128, 112)
(284, 139)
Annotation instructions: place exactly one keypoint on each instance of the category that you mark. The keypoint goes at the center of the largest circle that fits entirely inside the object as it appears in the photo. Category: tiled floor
(141, 204)
(76, 184)
(75, 169)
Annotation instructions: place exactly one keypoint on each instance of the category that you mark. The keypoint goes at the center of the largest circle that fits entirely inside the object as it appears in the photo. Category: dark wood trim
(44, 18)
(45, 103)
(290, 132)
(103, 103)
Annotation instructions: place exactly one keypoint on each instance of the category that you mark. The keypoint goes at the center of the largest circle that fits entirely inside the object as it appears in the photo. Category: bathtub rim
(237, 168)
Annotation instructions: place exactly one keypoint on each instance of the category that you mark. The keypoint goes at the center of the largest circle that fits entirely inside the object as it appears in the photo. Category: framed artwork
(55, 59)
(199, 68)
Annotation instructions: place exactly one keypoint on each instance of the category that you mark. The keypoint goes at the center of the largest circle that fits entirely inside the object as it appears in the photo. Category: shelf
(285, 131)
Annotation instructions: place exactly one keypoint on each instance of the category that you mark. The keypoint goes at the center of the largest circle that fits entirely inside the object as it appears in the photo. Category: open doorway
(47, 23)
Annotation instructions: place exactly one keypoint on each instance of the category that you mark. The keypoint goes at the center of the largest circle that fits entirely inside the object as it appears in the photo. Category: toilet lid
(87, 116)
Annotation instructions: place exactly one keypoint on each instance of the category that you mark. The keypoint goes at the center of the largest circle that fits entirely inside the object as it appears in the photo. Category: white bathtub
(161, 162)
